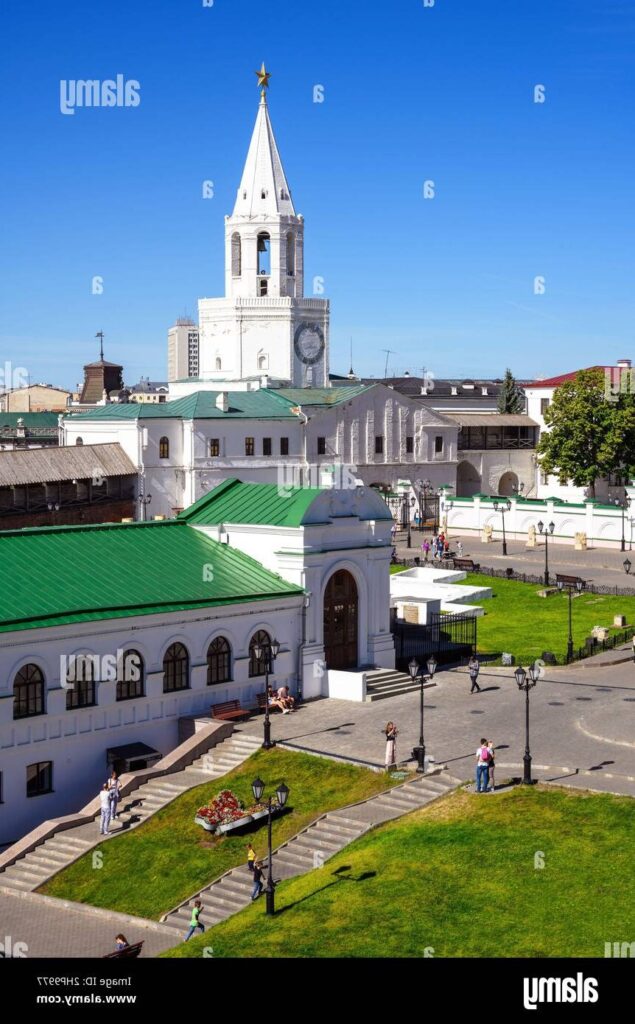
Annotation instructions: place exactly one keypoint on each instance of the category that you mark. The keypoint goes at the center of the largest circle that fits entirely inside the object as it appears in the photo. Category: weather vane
(263, 78)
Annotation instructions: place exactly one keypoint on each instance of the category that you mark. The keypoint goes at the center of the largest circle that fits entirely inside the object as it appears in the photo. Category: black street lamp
(570, 587)
(269, 652)
(626, 504)
(503, 507)
(627, 565)
(419, 753)
(548, 531)
(282, 793)
(526, 681)
(406, 515)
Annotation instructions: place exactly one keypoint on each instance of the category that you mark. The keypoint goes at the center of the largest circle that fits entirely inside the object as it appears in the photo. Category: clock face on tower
(308, 343)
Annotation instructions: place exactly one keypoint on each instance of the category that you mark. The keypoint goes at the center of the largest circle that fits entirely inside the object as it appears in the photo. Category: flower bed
(226, 812)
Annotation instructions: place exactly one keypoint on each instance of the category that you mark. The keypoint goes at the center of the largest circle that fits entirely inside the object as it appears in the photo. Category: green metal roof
(252, 503)
(31, 419)
(58, 575)
(264, 403)
(322, 396)
(261, 404)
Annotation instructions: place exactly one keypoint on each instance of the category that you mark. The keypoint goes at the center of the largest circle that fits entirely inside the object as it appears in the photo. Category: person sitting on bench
(288, 701)
(274, 701)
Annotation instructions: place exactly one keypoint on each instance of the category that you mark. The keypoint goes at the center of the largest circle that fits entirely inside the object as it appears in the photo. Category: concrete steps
(56, 853)
(311, 847)
(387, 682)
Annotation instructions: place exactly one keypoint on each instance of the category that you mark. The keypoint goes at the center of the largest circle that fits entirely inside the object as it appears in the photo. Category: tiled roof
(60, 575)
(260, 404)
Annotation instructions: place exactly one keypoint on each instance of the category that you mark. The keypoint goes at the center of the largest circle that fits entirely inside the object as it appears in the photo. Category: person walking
(257, 889)
(425, 547)
(104, 801)
(474, 669)
(251, 857)
(459, 549)
(391, 732)
(114, 790)
(492, 765)
(194, 921)
(482, 766)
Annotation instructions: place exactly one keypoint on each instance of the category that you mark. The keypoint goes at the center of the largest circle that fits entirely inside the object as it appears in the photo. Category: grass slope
(457, 879)
(149, 870)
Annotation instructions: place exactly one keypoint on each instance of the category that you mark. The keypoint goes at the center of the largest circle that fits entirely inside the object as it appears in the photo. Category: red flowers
(224, 808)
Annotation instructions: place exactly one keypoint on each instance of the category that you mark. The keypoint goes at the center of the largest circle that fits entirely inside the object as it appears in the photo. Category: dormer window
(483, 391)
(454, 391)
(263, 193)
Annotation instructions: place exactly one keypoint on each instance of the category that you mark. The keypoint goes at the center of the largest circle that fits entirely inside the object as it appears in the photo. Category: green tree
(511, 398)
(589, 435)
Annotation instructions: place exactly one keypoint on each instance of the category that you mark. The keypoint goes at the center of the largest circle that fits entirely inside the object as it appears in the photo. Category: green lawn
(457, 879)
(518, 621)
(149, 870)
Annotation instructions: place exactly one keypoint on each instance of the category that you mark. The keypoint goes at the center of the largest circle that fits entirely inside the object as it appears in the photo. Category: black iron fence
(450, 638)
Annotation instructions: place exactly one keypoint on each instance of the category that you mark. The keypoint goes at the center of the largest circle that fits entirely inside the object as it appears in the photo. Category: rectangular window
(249, 446)
(438, 444)
(266, 446)
(39, 778)
(544, 405)
(410, 445)
(379, 444)
(214, 447)
(284, 445)
(321, 446)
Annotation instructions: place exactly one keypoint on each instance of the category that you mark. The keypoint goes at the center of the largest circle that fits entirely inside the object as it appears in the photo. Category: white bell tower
(264, 324)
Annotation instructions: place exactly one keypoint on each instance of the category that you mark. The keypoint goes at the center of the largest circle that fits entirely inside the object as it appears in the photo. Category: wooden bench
(262, 705)
(569, 581)
(127, 953)
(466, 563)
(229, 709)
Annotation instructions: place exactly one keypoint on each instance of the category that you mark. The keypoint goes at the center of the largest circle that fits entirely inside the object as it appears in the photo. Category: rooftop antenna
(100, 335)
(351, 372)
(389, 352)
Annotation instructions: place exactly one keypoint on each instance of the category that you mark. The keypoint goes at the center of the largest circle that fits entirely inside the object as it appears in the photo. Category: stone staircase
(310, 848)
(56, 853)
(382, 683)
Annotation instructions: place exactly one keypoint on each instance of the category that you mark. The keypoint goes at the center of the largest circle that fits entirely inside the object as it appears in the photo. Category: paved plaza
(582, 718)
(602, 566)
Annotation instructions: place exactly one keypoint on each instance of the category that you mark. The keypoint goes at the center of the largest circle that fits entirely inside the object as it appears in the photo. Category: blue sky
(412, 94)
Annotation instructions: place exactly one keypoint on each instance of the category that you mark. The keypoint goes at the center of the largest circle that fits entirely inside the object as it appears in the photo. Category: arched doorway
(340, 621)
(508, 484)
(468, 480)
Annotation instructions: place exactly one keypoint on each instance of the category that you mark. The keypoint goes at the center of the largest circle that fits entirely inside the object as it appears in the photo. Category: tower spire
(263, 187)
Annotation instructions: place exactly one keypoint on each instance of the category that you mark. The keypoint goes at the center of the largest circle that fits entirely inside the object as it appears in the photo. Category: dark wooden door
(340, 621)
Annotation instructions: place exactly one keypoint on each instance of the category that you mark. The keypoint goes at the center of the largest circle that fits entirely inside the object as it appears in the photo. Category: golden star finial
(263, 78)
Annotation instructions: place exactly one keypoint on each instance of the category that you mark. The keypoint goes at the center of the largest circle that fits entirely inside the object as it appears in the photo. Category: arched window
(263, 360)
(176, 668)
(28, 692)
(164, 448)
(236, 255)
(257, 666)
(218, 364)
(130, 676)
(80, 682)
(219, 661)
(264, 253)
(290, 254)
(79, 440)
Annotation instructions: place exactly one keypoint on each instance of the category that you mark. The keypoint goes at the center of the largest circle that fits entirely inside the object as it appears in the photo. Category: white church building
(111, 634)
